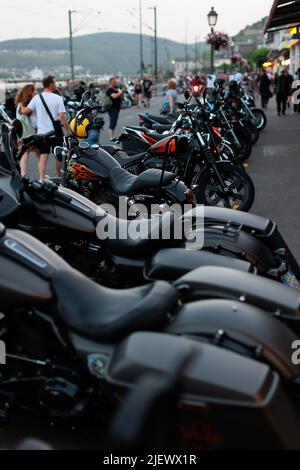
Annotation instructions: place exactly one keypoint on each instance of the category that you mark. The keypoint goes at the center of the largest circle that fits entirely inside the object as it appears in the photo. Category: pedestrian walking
(138, 92)
(170, 100)
(116, 95)
(147, 91)
(29, 123)
(264, 89)
(50, 117)
(282, 90)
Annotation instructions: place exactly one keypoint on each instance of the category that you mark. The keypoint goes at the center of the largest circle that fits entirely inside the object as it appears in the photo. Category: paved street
(275, 169)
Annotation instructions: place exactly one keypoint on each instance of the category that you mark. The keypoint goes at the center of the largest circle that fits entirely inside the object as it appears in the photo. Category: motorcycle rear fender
(254, 224)
(171, 264)
(211, 282)
(262, 228)
(242, 328)
(239, 244)
(177, 191)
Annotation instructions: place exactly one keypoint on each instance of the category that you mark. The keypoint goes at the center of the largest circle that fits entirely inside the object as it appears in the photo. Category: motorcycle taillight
(190, 199)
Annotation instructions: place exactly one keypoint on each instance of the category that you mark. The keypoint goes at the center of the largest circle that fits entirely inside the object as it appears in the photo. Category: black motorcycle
(68, 223)
(201, 164)
(73, 348)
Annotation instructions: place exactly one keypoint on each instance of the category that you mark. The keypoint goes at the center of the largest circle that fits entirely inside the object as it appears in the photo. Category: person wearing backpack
(29, 124)
(51, 116)
(116, 97)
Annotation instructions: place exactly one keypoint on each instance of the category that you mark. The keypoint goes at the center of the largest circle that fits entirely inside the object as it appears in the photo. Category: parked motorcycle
(71, 356)
(202, 163)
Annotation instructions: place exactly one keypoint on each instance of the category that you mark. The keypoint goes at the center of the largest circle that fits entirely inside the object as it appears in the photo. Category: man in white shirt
(57, 109)
(238, 77)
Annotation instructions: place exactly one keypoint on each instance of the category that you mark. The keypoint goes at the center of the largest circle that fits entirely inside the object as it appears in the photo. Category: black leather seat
(123, 159)
(124, 183)
(161, 119)
(139, 128)
(161, 127)
(156, 136)
(100, 313)
(111, 148)
(154, 234)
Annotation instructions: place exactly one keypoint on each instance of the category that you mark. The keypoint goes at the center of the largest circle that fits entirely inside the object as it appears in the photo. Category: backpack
(105, 102)
(28, 129)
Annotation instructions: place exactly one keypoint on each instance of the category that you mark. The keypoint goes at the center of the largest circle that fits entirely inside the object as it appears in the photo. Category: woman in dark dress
(264, 89)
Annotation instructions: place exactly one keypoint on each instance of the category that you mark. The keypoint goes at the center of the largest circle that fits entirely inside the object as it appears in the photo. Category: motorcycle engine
(59, 396)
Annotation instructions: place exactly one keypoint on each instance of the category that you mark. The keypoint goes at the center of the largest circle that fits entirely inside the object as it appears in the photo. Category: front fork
(248, 110)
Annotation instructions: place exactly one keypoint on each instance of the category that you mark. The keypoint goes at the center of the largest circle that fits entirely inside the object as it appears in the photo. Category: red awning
(284, 14)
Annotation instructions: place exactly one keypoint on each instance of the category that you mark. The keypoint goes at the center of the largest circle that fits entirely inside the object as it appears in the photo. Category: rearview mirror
(87, 95)
(187, 95)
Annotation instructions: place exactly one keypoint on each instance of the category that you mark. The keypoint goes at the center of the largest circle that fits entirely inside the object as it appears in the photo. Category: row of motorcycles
(203, 337)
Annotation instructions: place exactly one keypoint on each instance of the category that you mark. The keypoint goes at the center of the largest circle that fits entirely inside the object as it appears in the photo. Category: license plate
(289, 279)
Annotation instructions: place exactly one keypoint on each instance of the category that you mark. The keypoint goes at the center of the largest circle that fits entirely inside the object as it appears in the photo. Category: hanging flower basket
(218, 40)
(238, 59)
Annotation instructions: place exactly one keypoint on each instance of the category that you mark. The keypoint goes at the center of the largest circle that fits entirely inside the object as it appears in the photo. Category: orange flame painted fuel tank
(81, 172)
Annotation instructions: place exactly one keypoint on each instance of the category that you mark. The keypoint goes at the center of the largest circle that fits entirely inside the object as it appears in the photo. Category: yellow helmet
(79, 127)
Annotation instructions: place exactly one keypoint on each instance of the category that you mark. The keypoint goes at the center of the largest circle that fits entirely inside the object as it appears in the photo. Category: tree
(259, 56)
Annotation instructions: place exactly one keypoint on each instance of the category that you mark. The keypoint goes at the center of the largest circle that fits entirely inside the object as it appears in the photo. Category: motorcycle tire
(253, 132)
(241, 192)
(245, 150)
(260, 118)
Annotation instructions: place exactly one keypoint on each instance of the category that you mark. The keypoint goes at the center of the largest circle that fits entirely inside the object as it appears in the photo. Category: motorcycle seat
(153, 235)
(111, 148)
(100, 313)
(156, 136)
(126, 184)
(161, 127)
(124, 159)
(160, 119)
(139, 128)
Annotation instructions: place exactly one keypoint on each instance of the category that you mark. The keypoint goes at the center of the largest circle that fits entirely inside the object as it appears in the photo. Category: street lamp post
(141, 40)
(212, 21)
(71, 44)
(155, 42)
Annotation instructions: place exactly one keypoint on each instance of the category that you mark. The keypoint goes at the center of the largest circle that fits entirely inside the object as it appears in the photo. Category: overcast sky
(48, 18)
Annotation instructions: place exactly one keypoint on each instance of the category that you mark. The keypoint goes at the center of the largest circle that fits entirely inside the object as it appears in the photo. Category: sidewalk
(275, 168)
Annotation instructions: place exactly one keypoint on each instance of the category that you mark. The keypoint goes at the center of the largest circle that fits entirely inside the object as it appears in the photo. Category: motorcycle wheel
(229, 155)
(260, 118)
(245, 150)
(253, 132)
(239, 194)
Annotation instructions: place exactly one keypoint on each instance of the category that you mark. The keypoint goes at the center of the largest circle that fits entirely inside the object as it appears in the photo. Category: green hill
(97, 53)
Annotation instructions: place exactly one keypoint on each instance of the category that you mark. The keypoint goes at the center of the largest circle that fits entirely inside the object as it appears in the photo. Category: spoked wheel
(260, 118)
(237, 193)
